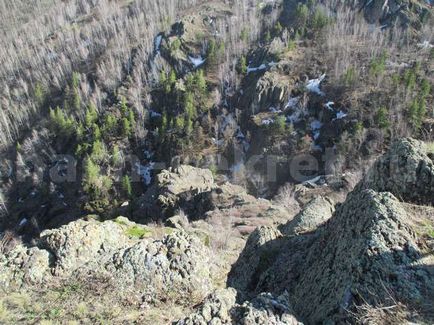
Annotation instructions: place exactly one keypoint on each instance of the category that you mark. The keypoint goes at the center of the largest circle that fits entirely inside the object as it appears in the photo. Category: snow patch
(197, 62)
(267, 121)
(157, 43)
(329, 105)
(314, 84)
(154, 114)
(292, 102)
(260, 68)
(148, 154)
(145, 172)
(294, 117)
(274, 110)
(340, 115)
(316, 125)
(425, 45)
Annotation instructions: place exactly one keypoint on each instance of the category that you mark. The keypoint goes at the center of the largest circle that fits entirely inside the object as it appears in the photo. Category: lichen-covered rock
(271, 89)
(24, 265)
(177, 267)
(365, 253)
(402, 12)
(222, 197)
(314, 214)
(220, 308)
(172, 186)
(406, 171)
(215, 309)
(180, 180)
(259, 253)
(266, 309)
(82, 241)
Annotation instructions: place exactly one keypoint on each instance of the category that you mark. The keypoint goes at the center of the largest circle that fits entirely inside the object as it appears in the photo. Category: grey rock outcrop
(406, 171)
(406, 13)
(215, 309)
(23, 266)
(259, 253)
(367, 252)
(266, 309)
(82, 241)
(314, 214)
(271, 89)
(171, 186)
(176, 267)
(220, 308)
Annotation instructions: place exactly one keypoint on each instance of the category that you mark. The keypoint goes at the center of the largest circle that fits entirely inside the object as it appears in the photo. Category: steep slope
(372, 251)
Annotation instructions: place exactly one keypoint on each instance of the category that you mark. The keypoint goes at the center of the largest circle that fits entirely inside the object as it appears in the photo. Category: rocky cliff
(370, 251)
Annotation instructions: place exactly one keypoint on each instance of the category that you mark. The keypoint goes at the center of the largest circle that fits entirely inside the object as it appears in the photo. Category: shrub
(350, 76)
(267, 37)
(176, 45)
(39, 94)
(242, 65)
(425, 88)
(95, 184)
(91, 116)
(302, 15)
(278, 28)
(110, 125)
(292, 45)
(279, 125)
(244, 35)
(417, 112)
(126, 185)
(61, 124)
(116, 156)
(126, 127)
(378, 65)
(382, 118)
(319, 19)
(99, 152)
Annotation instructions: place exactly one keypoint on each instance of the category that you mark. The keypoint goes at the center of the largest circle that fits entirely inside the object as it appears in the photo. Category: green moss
(137, 232)
(121, 221)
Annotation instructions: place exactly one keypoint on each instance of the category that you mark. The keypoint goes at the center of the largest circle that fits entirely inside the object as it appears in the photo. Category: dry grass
(430, 147)
(287, 197)
(381, 315)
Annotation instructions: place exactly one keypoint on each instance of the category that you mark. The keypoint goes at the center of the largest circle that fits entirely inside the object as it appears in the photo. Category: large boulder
(402, 12)
(24, 265)
(266, 309)
(220, 308)
(314, 214)
(177, 267)
(82, 241)
(366, 253)
(272, 89)
(258, 254)
(171, 187)
(406, 171)
(215, 309)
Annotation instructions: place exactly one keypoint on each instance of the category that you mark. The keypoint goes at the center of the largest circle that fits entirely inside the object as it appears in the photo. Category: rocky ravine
(371, 254)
